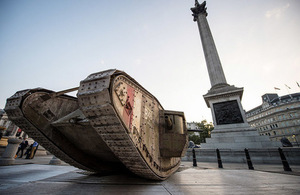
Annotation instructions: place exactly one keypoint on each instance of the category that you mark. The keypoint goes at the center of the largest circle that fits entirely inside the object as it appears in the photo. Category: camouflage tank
(114, 124)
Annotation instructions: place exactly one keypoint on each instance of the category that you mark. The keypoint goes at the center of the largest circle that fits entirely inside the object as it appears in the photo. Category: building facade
(7, 128)
(277, 117)
(192, 126)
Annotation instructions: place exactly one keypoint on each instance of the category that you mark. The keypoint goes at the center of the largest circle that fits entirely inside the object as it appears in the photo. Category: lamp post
(294, 136)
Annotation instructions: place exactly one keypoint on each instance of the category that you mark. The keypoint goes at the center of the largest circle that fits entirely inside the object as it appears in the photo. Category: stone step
(240, 145)
(235, 134)
(238, 139)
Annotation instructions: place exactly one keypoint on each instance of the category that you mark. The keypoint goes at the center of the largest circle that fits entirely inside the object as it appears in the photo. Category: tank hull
(114, 124)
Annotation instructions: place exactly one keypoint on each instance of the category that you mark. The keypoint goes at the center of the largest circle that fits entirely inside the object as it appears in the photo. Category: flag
(287, 86)
(276, 88)
(298, 84)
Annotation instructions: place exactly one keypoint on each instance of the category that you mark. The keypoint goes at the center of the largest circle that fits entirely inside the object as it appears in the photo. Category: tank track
(95, 102)
(13, 109)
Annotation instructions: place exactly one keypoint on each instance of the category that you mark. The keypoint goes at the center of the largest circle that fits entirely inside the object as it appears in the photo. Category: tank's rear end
(60, 127)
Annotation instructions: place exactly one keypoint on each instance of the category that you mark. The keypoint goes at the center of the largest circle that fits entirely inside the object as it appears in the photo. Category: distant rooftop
(286, 97)
(269, 99)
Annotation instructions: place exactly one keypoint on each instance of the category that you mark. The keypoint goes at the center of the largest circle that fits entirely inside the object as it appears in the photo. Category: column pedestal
(232, 130)
(55, 161)
(8, 156)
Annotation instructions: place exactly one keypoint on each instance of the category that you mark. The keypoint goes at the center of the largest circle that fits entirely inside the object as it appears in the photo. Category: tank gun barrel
(65, 91)
(55, 94)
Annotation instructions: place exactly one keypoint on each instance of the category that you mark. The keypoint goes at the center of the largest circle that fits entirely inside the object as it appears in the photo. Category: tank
(113, 125)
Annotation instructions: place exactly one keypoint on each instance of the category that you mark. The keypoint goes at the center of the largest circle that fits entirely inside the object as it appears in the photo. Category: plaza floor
(38, 177)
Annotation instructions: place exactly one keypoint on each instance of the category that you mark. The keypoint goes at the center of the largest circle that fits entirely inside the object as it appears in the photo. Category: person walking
(35, 146)
(21, 148)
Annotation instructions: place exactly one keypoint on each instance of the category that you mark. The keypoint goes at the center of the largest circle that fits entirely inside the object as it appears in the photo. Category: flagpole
(287, 88)
(276, 88)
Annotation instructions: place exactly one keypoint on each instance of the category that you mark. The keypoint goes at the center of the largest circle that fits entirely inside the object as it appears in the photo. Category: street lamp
(294, 136)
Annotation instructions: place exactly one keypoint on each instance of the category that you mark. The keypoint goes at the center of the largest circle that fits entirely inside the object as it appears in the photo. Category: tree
(206, 130)
(193, 137)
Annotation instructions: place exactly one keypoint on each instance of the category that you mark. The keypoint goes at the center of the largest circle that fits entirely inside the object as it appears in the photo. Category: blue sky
(56, 44)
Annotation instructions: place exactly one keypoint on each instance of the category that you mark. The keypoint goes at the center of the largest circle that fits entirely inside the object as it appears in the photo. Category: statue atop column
(198, 9)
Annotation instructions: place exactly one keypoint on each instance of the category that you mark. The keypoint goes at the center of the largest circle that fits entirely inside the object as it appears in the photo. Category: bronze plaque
(228, 113)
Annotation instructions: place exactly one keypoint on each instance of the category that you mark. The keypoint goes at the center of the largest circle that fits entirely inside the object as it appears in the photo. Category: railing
(279, 154)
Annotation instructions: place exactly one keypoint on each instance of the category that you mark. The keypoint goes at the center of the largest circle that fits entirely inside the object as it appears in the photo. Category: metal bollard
(249, 162)
(220, 165)
(194, 158)
(285, 163)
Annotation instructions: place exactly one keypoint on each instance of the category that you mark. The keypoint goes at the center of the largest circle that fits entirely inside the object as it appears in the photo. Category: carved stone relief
(227, 113)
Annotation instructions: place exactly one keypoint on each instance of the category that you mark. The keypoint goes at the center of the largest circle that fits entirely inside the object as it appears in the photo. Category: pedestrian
(21, 148)
(28, 151)
(35, 146)
(32, 150)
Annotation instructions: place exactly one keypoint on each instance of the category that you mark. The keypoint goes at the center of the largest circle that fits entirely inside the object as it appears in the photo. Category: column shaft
(213, 62)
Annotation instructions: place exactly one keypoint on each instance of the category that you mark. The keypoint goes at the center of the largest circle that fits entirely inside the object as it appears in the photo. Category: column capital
(198, 9)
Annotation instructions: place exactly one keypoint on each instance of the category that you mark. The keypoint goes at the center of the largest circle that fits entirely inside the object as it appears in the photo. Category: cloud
(138, 61)
(277, 12)
(267, 69)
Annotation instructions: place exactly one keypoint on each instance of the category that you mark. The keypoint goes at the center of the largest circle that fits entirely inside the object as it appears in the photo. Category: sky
(56, 44)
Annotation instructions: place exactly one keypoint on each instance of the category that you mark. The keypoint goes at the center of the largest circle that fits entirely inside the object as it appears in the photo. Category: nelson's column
(232, 130)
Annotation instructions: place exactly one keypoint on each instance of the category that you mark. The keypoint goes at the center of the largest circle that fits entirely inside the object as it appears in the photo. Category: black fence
(247, 156)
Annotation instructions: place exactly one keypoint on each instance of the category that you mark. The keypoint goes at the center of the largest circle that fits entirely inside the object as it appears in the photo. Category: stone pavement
(35, 176)
(42, 160)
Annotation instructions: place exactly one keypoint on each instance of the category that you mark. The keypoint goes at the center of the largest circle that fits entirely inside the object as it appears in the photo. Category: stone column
(213, 62)
(8, 156)
(231, 129)
(223, 99)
